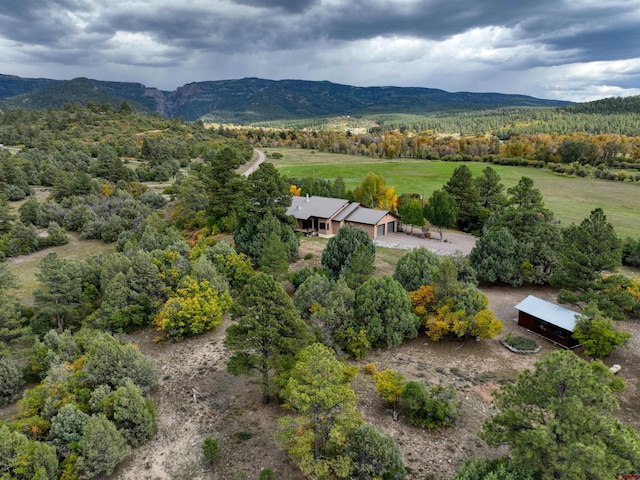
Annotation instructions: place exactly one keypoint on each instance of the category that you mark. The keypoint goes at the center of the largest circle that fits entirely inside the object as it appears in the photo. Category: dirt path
(228, 408)
(196, 398)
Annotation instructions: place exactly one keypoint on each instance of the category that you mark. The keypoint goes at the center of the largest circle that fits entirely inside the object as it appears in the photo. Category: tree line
(170, 273)
(607, 156)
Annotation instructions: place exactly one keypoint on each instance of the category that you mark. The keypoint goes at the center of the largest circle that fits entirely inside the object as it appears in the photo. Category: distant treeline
(615, 116)
(609, 156)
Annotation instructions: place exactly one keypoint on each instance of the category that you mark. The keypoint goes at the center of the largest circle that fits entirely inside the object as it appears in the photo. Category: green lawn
(570, 198)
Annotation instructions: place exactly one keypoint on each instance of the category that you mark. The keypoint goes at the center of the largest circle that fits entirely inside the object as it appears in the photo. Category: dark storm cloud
(40, 21)
(295, 6)
(430, 19)
(269, 35)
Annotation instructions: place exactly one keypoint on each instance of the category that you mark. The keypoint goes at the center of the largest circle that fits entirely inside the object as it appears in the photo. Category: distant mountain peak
(253, 99)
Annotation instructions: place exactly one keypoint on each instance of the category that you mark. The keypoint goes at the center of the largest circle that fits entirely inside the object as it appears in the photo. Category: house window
(323, 226)
(540, 324)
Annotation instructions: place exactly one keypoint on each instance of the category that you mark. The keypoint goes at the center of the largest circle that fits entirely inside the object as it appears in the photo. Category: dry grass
(25, 267)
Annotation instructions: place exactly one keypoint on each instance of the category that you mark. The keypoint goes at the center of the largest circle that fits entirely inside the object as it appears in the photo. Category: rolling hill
(251, 100)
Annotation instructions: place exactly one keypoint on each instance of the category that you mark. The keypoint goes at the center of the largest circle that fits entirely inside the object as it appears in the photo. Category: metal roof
(368, 216)
(321, 207)
(346, 212)
(549, 312)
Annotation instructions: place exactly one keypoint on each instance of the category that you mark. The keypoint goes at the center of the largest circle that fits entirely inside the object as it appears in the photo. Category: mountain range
(250, 100)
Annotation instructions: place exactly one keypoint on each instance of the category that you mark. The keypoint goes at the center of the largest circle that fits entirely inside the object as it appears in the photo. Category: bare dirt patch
(196, 398)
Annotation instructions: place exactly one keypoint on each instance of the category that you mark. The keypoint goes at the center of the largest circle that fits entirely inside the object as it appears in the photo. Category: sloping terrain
(197, 398)
(252, 99)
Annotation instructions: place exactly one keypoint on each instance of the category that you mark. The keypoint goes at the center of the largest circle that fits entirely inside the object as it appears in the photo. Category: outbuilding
(548, 320)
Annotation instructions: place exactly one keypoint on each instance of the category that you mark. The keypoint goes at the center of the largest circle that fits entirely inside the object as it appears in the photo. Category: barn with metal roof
(549, 320)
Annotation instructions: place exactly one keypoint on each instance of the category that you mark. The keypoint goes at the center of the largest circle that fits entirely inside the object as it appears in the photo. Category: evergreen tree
(11, 381)
(60, 297)
(268, 193)
(340, 248)
(490, 190)
(101, 447)
(273, 260)
(415, 268)
(374, 455)
(319, 391)
(66, 429)
(359, 267)
(464, 191)
(497, 258)
(224, 186)
(252, 236)
(267, 332)
(312, 293)
(588, 251)
(383, 309)
(133, 415)
(23, 458)
(533, 226)
(6, 217)
(550, 417)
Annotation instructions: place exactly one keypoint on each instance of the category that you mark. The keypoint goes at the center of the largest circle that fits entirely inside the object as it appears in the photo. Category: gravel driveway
(452, 242)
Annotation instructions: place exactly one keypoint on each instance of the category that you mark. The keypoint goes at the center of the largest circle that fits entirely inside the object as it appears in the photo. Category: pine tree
(267, 332)
(274, 257)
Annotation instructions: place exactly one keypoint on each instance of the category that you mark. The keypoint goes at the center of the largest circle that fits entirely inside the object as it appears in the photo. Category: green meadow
(570, 198)
(25, 267)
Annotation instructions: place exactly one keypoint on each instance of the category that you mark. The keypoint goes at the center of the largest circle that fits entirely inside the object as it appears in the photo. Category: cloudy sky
(562, 49)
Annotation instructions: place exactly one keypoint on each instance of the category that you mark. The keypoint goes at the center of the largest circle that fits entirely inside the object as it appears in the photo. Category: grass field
(570, 198)
(25, 267)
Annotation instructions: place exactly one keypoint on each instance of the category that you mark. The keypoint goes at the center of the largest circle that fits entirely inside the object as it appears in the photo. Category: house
(324, 216)
(548, 320)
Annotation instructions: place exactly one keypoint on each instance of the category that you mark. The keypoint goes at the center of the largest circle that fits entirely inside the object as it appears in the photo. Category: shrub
(370, 368)
(24, 458)
(520, 343)
(133, 415)
(266, 474)
(101, 447)
(194, 309)
(498, 469)
(210, 450)
(11, 381)
(429, 407)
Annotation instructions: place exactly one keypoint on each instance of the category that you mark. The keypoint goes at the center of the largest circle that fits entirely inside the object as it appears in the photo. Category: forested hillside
(199, 246)
(252, 100)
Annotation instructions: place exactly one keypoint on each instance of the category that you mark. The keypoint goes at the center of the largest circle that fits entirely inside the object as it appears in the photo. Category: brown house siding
(552, 332)
(370, 229)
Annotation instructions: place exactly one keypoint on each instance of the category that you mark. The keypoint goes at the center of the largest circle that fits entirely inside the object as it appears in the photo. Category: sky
(576, 50)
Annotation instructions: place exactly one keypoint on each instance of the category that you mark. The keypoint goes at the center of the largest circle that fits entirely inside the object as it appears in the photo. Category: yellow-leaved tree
(195, 308)
(374, 193)
(390, 386)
